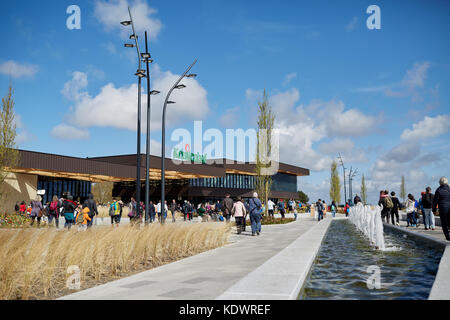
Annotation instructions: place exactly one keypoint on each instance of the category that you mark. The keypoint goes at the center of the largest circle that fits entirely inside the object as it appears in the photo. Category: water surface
(408, 266)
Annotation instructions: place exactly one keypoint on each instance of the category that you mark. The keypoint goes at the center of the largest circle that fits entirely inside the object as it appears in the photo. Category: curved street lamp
(163, 135)
(140, 73)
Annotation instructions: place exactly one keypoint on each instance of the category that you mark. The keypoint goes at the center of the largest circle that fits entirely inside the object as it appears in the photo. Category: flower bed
(14, 220)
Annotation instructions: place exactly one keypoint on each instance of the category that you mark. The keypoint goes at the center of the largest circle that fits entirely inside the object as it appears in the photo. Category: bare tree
(403, 189)
(9, 155)
(266, 119)
(363, 190)
(335, 184)
(102, 192)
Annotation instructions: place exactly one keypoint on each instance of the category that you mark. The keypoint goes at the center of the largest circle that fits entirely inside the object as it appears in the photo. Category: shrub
(34, 262)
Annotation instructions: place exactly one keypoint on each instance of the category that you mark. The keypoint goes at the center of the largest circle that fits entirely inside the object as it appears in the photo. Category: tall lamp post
(163, 135)
(351, 175)
(140, 73)
(146, 57)
(345, 187)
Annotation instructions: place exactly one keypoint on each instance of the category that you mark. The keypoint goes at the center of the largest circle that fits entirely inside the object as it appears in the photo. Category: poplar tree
(102, 192)
(363, 190)
(335, 184)
(403, 189)
(266, 119)
(9, 155)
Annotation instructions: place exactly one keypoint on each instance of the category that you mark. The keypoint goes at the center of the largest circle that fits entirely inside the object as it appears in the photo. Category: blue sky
(380, 97)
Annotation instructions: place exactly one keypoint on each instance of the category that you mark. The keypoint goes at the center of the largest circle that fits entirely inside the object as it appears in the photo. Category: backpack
(280, 205)
(388, 202)
(80, 217)
(112, 209)
(53, 205)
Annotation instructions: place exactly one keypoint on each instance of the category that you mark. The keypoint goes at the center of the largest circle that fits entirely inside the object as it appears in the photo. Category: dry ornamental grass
(34, 262)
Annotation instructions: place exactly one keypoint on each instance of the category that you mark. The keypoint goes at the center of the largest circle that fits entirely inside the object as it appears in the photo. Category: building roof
(123, 167)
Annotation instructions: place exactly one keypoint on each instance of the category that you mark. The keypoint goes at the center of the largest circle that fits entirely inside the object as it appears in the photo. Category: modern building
(57, 174)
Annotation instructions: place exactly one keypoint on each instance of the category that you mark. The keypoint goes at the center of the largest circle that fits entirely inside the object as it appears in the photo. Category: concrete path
(206, 275)
(436, 233)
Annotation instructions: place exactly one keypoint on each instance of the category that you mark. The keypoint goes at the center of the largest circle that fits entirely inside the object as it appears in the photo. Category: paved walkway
(206, 275)
(436, 233)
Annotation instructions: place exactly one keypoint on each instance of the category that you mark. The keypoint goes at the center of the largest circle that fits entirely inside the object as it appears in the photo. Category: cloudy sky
(379, 97)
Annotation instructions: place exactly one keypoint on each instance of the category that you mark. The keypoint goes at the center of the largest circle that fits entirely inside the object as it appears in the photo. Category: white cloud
(341, 122)
(416, 76)
(288, 78)
(111, 13)
(410, 86)
(352, 24)
(428, 128)
(117, 107)
(230, 117)
(66, 132)
(73, 88)
(16, 70)
(22, 134)
(253, 95)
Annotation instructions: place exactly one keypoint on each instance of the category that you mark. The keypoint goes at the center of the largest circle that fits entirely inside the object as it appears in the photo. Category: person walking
(427, 204)
(441, 202)
(356, 199)
(202, 211)
(319, 208)
(173, 209)
(114, 212)
(333, 208)
(239, 212)
(121, 205)
(255, 214)
(53, 211)
(281, 208)
(151, 212)
(69, 207)
(185, 210)
(410, 210)
(227, 207)
(396, 206)
(387, 204)
(36, 211)
(270, 207)
(132, 209)
(347, 209)
(325, 208)
(92, 206)
(83, 218)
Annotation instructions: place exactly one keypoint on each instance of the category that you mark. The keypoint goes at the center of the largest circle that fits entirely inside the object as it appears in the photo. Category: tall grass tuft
(34, 262)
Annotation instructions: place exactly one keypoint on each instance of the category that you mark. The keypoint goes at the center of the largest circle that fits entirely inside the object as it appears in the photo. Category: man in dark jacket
(441, 201)
(92, 205)
(395, 208)
(227, 207)
(69, 207)
(319, 208)
(173, 209)
(356, 199)
(427, 204)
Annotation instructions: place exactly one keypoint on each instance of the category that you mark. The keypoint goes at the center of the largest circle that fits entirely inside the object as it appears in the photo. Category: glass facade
(59, 186)
(280, 182)
(284, 182)
(235, 181)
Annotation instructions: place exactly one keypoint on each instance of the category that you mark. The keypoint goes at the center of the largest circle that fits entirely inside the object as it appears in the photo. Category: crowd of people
(427, 205)
(82, 214)
(72, 211)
